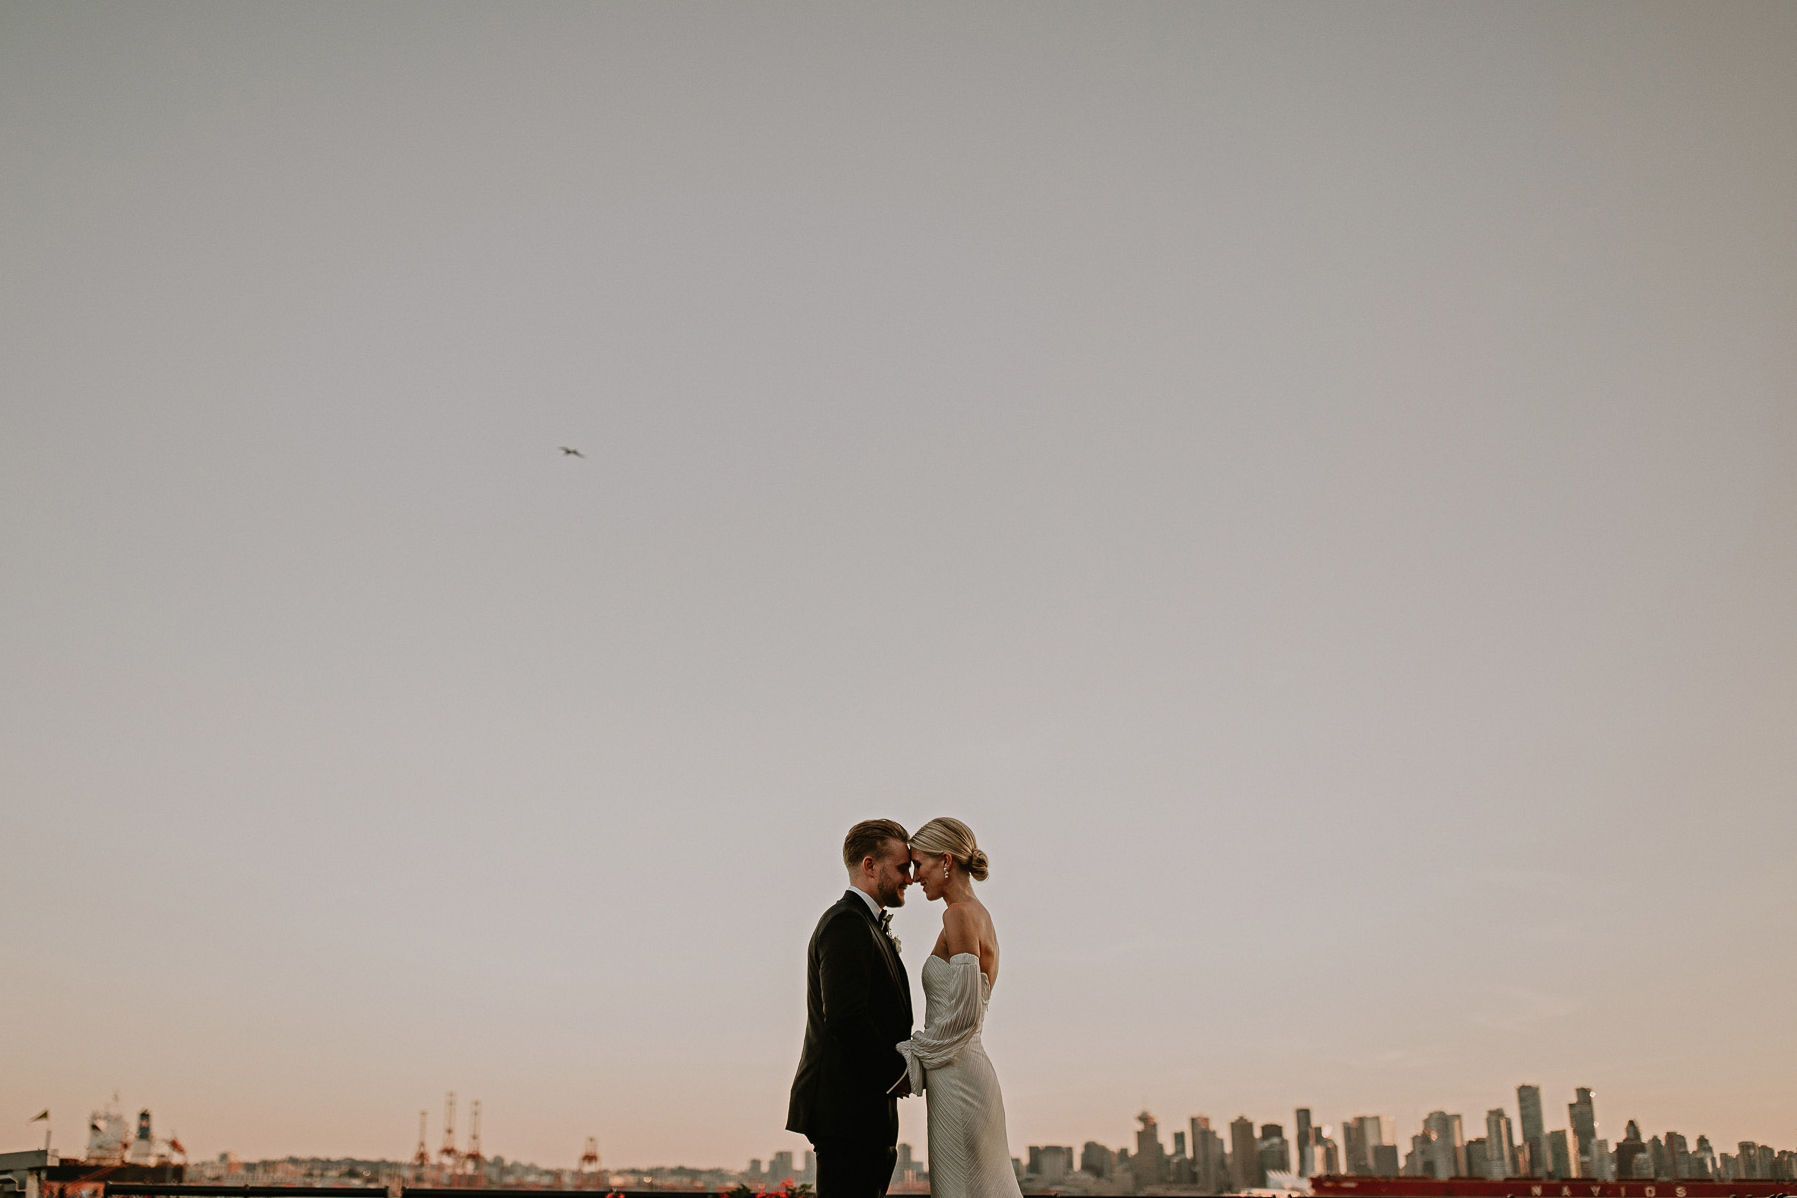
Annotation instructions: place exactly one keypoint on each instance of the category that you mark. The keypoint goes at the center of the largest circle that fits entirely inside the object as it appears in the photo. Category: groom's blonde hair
(943, 836)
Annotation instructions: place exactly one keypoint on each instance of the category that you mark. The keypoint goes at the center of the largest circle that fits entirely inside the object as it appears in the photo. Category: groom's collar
(873, 904)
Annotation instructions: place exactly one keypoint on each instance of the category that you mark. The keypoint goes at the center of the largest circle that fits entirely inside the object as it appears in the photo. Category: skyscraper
(1447, 1145)
(1049, 1163)
(1275, 1152)
(1582, 1113)
(904, 1169)
(1562, 1154)
(1703, 1160)
(1150, 1161)
(1631, 1155)
(1210, 1162)
(1244, 1154)
(1500, 1145)
(1307, 1149)
(1678, 1156)
(1356, 1159)
(1532, 1128)
(1361, 1137)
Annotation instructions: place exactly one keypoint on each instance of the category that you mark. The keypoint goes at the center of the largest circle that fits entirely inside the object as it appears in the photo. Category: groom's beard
(892, 896)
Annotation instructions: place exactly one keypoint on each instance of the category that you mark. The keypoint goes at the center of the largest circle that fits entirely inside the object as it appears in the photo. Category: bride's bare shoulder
(961, 928)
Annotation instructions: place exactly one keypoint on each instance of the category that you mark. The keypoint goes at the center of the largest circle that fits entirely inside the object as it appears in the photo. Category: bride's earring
(945, 871)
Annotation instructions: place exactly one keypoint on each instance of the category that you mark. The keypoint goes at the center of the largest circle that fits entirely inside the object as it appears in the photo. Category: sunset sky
(1313, 486)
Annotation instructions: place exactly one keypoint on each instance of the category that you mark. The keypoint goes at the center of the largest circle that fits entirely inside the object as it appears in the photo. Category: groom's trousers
(853, 1168)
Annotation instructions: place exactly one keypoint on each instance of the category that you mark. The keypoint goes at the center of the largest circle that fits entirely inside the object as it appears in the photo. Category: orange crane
(447, 1155)
(474, 1165)
(587, 1175)
(421, 1159)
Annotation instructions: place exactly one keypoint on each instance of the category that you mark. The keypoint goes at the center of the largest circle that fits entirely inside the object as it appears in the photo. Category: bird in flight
(573, 453)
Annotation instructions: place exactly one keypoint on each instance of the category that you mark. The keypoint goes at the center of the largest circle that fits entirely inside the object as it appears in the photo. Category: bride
(970, 1156)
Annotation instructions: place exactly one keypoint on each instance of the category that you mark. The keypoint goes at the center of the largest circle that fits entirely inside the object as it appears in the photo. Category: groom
(857, 1009)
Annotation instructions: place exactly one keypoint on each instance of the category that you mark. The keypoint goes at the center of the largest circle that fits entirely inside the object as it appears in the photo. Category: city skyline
(1202, 1159)
(1531, 1124)
(1311, 486)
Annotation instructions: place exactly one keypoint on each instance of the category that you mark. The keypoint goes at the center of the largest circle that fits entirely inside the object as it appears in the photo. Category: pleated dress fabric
(970, 1155)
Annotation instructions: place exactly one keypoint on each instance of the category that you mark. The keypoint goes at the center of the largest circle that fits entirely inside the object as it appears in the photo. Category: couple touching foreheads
(861, 1054)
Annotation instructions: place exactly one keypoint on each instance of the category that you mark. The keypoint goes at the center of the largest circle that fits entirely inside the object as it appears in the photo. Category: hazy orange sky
(1313, 486)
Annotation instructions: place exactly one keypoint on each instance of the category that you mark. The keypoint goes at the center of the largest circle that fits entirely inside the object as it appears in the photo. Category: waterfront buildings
(1581, 1114)
(1244, 1155)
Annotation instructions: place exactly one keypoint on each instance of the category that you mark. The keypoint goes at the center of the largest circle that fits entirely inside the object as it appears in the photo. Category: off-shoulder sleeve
(941, 1042)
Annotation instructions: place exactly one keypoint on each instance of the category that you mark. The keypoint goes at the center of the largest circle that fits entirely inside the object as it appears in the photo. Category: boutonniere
(886, 930)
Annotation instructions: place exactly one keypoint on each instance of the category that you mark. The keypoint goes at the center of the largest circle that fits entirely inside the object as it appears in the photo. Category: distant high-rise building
(1678, 1156)
(1416, 1161)
(1533, 1130)
(1150, 1160)
(779, 1167)
(1562, 1154)
(1475, 1158)
(904, 1169)
(1659, 1161)
(1274, 1151)
(1360, 1136)
(1355, 1158)
(1244, 1154)
(1747, 1161)
(1307, 1147)
(1049, 1163)
(1210, 1159)
(1631, 1155)
(1703, 1160)
(1332, 1158)
(1096, 1159)
(1447, 1145)
(1582, 1114)
(1500, 1145)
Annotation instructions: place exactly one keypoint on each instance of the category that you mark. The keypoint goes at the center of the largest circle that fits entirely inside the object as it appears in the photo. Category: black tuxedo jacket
(857, 1009)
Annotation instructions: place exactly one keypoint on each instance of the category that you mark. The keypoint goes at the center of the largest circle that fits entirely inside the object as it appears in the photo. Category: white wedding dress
(970, 1156)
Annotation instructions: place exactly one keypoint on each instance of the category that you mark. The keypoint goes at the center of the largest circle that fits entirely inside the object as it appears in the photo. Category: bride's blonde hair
(943, 836)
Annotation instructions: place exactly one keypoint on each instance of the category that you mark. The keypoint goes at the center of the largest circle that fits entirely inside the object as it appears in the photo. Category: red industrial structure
(586, 1175)
(421, 1159)
(473, 1171)
(446, 1156)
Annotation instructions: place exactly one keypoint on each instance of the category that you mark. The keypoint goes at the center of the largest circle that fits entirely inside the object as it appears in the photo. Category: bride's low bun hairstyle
(943, 836)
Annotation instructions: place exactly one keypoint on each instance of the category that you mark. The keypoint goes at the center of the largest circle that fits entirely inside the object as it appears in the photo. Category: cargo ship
(1537, 1187)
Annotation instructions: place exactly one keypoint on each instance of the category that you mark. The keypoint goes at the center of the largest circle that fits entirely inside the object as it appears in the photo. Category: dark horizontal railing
(182, 1190)
(245, 1191)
